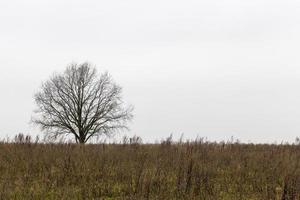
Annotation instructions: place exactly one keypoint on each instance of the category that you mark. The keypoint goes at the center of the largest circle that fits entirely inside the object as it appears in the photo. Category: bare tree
(81, 102)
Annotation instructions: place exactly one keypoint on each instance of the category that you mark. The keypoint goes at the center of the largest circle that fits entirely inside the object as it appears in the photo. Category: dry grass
(191, 170)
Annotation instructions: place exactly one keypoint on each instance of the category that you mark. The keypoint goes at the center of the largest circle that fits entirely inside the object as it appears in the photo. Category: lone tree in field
(81, 102)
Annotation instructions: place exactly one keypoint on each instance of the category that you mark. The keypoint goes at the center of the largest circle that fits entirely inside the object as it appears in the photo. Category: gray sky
(211, 68)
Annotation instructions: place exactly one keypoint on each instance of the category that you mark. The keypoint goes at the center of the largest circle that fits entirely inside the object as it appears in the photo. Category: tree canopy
(81, 102)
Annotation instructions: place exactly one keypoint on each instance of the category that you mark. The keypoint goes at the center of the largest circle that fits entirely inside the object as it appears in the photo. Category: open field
(192, 170)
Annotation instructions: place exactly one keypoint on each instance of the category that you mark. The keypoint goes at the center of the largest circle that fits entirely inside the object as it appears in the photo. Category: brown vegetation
(130, 170)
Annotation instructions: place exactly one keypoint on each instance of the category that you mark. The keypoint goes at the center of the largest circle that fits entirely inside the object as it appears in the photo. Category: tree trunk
(81, 138)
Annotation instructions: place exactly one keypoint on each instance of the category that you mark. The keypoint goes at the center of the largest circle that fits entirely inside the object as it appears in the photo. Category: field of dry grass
(190, 170)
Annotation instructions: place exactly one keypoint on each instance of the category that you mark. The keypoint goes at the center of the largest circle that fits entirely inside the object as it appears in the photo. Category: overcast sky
(211, 68)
